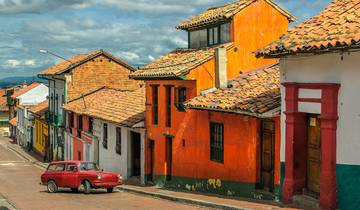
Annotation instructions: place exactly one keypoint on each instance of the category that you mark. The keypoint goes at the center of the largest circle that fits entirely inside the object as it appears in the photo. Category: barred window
(155, 103)
(168, 106)
(217, 142)
(105, 135)
(118, 141)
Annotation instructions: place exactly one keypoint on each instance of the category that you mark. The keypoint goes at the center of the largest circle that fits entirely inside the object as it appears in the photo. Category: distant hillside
(9, 81)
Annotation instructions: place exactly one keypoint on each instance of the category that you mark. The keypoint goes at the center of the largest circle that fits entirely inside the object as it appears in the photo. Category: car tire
(87, 187)
(52, 187)
(110, 189)
(74, 190)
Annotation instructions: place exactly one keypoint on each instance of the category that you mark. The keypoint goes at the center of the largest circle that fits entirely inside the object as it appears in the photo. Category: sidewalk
(29, 156)
(5, 205)
(202, 200)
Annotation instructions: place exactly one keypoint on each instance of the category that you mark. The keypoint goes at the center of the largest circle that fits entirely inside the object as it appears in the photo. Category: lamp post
(43, 51)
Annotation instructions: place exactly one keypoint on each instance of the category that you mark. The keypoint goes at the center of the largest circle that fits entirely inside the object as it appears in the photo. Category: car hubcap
(51, 187)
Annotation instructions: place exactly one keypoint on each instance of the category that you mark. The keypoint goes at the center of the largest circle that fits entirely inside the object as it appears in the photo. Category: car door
(59, 173)
(70, 176)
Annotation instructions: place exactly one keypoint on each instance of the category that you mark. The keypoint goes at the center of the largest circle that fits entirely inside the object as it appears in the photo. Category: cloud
(13, 63)
(39, 6)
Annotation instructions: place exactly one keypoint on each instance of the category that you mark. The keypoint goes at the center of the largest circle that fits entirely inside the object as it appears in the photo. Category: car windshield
(89, 167)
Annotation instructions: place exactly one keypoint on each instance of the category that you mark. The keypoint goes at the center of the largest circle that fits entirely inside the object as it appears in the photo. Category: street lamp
(43, 51)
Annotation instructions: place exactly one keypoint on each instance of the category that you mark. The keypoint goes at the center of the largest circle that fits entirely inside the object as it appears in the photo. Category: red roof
(25, 90)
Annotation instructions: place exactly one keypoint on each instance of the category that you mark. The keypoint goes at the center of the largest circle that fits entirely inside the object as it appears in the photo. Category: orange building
(182, 144)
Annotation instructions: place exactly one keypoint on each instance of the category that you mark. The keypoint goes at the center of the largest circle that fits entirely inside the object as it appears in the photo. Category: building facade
(4, 114)
(75, 77)
(179, 139)
(107, 127)
(320, 83)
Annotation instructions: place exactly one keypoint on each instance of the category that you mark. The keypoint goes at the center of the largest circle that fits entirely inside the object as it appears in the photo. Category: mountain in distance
(10, 81)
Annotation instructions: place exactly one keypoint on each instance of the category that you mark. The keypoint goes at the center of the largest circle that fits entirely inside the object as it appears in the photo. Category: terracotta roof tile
(177, 63)
(40, 108)
(3, 100)
(252, 94)
(122, 107)
(336, 27)
(223, 13)
(78, 60)
(25, 89)
(13, 121)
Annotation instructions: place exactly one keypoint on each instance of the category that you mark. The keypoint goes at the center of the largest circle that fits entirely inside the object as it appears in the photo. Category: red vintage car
(78, 175)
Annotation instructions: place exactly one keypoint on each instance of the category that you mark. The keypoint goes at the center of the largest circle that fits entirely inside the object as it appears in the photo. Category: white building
(320, 73)
(107, 127)
(26, 98)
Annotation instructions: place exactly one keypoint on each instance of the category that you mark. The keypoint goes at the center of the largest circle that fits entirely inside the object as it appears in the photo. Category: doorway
(313, 155)
(168, 164)
(152, 159)
(267, 155)
(136, 153)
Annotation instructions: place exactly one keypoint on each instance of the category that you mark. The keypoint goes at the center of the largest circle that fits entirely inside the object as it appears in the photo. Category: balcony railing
(54, 119)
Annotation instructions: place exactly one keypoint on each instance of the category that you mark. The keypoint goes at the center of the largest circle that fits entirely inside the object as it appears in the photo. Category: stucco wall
(34, 96)
(109, 160)
(330, 68)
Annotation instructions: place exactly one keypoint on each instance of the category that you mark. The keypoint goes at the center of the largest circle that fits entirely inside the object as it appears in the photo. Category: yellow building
(40, 134)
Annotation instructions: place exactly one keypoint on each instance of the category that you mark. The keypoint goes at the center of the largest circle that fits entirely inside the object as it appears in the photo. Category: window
(60, 167)
(71, 167)
(118, 141)
(217, 142)
(89, 166)
(155, 102)
(71, 120)
(79, 122)
(213, 35)
(105, 135)
(51, 167)
(56, 103)
(180, 98)
(198, 38)
(91, 125)
(225, 33)
(168, 106)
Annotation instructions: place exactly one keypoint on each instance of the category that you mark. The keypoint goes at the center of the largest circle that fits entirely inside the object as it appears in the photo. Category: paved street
(19, 183)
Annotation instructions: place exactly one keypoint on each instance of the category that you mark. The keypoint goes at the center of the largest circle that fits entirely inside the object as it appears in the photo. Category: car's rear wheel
(75, 190)
(87, 187)
(110, 189)
(52, 187)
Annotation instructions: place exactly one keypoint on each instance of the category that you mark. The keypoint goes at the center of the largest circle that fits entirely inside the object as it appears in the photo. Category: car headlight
(119, 177)
(99, 176)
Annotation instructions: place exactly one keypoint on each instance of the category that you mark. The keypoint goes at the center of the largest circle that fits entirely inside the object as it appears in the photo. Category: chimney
(220, 68)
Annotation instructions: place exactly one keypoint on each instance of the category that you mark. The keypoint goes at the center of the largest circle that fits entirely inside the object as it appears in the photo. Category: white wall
(34, 96)
(109, 159)
(329, 68)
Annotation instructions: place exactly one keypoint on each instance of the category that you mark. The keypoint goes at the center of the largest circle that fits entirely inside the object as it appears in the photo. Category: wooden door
(168, 158)
(136, 153)
(313, 154)
(267, 154)
(152, 159)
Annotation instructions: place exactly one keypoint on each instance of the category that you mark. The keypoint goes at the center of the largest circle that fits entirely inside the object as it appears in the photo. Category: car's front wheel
(52, 187)
(87, 187)
(110, 189)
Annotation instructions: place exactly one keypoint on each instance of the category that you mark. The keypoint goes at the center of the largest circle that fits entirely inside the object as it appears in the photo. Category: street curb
(26, 158)
(182, 199)
(3, 200)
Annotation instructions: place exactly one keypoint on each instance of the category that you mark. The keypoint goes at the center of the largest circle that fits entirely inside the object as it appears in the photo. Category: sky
(138, 31)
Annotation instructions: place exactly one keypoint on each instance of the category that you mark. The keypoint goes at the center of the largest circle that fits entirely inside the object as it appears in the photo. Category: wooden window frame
(168, 105)
(91, 125)
(179, 101)
(155, 104)
(217, 142)
(118, 141)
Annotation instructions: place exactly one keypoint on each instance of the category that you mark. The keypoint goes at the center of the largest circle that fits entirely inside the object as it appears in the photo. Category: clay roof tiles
(251, 94)
(223, 13)
(124, 107)
(177, 63)
(80, 59)
(13, 121)
(336, 27)
(25, 89)
(40, 108)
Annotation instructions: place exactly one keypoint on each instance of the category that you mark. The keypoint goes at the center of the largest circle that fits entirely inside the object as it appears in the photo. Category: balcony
(54, 119)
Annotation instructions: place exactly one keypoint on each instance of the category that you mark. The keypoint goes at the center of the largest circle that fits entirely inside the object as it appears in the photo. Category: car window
(51, 167)
(60, 167)
(89, 167)
(70, 167)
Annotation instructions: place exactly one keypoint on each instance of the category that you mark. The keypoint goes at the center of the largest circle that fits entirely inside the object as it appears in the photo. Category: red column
(329, 117)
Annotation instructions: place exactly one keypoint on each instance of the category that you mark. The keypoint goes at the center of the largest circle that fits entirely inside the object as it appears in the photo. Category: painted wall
(343, 70)
(34, 96)
(40, 135)
(251, 29)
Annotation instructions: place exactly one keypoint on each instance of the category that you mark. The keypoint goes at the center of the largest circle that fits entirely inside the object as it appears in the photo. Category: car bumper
(102, 184)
